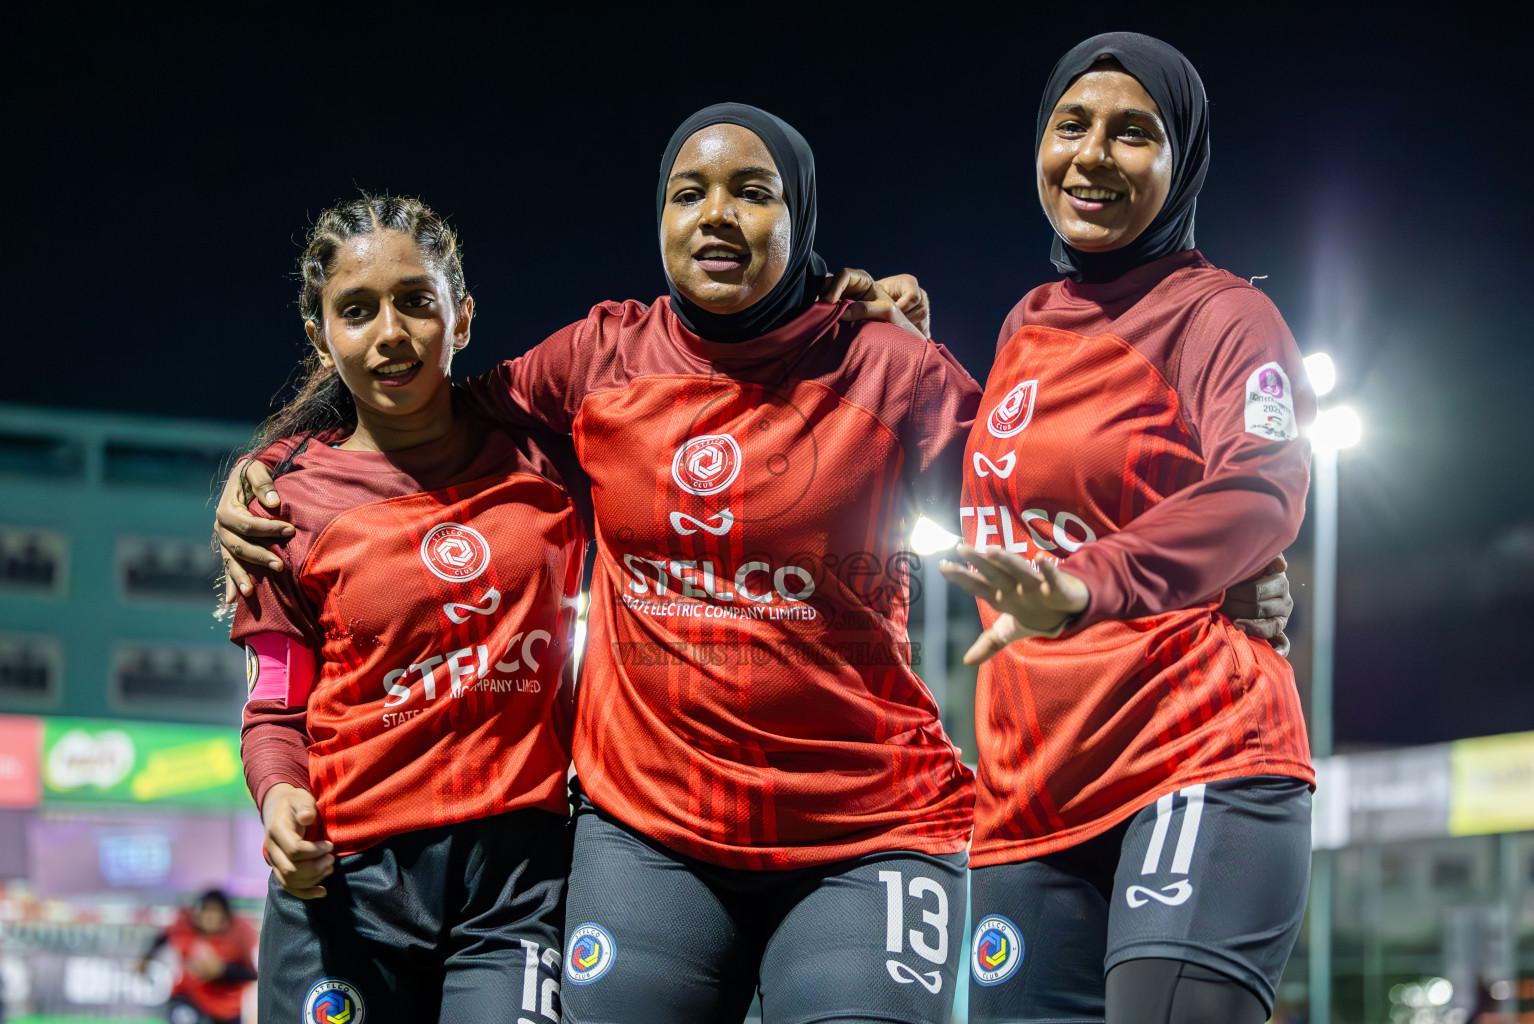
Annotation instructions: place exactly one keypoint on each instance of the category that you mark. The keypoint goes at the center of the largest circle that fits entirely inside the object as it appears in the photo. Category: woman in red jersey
(217, 963)
(1144, 795)
(404, 737)
(769, 800)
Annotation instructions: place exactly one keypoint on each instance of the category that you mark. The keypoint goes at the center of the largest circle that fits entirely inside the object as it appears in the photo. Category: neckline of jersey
(801, 330)
(1138, 282)
(426, 463)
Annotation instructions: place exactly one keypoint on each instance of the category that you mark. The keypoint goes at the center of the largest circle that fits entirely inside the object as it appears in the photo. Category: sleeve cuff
(265, 785)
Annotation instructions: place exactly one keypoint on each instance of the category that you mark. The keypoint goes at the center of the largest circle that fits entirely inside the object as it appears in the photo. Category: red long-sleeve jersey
(235, 947)
(746, 695)
(1145, 432)
(436, 589)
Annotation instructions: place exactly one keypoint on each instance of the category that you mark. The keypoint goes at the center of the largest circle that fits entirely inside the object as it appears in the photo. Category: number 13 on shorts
(930, 941)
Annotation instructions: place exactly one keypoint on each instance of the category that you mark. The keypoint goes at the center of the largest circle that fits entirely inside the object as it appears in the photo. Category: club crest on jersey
(706, 464)
(590, 955)
(333, 1001)
(1014, 412)
(996, 951)
(455, 552)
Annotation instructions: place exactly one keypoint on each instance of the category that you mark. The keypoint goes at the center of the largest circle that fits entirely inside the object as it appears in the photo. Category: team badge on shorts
(996, 952)
(591, 953)
(333, 1001)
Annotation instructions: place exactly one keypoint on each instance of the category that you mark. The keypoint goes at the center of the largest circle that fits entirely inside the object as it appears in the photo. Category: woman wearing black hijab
(1143, 805)
(769, 799)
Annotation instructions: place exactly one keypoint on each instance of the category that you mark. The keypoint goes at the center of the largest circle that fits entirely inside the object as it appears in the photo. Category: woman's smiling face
(389, 325)
(725, 228)
(1105, 162)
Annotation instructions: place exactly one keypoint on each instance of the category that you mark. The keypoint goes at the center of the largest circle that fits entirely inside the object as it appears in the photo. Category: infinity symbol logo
(932, 981)
(985, 467)
(726, 519)
(461, 612)
(1172, 895)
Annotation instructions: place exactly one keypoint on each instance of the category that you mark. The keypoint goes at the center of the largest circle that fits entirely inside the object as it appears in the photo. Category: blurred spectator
(216, 950)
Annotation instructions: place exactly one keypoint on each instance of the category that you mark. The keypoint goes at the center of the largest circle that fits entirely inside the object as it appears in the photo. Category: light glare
(1322, 373)
(1336, 428)
(928, 538)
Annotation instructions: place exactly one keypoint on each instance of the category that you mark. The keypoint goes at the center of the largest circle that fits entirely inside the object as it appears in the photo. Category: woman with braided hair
(406, 736)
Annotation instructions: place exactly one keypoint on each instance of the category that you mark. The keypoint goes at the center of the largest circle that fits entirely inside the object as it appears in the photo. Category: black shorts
(461, 922)
(653, 937)
(1215, 875)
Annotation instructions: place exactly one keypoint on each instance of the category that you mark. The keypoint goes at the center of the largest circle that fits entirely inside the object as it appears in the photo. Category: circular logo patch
(1014, 412)
(706, 464)
(455, 552)
(333, 1001)
(996, 952)
(591, 953)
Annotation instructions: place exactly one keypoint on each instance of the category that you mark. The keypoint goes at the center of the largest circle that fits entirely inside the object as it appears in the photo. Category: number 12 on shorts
(549, 1006)
(895, 933)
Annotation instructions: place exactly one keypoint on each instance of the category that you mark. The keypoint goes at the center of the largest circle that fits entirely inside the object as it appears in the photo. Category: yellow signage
(1492, 787)
(188, 768)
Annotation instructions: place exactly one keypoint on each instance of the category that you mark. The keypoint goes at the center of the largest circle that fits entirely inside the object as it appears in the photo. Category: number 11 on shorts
(896, 935)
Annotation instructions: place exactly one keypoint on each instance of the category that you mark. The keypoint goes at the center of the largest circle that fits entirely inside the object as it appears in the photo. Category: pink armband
(276, 668)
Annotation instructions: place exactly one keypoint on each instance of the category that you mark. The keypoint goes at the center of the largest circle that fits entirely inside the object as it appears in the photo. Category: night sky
(163, 168)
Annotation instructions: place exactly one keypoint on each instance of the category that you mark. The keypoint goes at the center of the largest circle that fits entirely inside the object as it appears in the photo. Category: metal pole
(934, 630)
(1512, 903)
(1325, 467)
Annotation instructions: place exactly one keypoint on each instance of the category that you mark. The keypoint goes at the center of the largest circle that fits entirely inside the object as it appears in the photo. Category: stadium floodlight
(1321, 372)
(928, 538)
(1336, 428)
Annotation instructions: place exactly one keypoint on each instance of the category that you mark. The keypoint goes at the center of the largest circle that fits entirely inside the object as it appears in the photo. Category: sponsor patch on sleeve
(1270, 404)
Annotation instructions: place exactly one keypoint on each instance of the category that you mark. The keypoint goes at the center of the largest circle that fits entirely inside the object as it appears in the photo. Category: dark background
(163, 166)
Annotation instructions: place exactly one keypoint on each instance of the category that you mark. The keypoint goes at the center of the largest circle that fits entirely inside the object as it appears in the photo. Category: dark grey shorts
(461, 923)
(1215, 875)
(653, 937)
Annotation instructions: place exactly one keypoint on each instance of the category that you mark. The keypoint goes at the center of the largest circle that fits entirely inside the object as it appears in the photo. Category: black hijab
(805, 274)
(1178, 91)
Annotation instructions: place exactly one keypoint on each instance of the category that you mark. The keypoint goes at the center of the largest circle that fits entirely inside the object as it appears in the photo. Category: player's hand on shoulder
(898, 300)
(241, 538)
(1034, 599)
(911, 299)
(288, 813)
(1261, 606)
